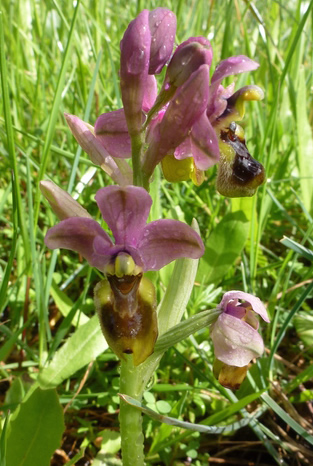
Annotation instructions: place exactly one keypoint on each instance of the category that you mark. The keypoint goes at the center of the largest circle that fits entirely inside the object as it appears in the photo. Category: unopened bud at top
(162, 24)
(145, 48)
(135, 56)
(188, 57)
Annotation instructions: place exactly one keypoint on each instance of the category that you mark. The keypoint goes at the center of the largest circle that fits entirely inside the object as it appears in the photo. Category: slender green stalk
(133, 382)
(137, 142)
(132, 437)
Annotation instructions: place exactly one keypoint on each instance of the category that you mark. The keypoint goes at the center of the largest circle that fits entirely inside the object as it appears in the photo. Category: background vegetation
(56, 58)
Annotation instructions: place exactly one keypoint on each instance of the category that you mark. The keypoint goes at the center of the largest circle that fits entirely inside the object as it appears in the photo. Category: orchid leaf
(174, 302)
(38, 425)
(220, 252)
(82, 347)
(183, 424)
(298, 248)
(186, 328)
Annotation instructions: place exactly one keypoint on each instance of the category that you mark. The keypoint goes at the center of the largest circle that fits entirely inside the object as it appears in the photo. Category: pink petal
(166, 240)
(235, 342)
(255, 302)
(153, 130)
(125, 210)
(185, 108)
(112, 132)
(81, 235)
(135, 46)
(184, 150)
(151, 92)
(119, 171)
(204, 143)
(228, 67)
(217, 103)
(233, 65)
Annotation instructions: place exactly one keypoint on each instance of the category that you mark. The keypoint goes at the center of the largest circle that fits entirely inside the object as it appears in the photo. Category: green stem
(132, 437)
(137, 150)
(133, 382)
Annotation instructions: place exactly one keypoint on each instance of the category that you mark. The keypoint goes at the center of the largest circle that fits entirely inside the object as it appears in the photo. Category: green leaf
(283, 328)
(36, 430)
(110, 445)
(243, 204)
(3, 442)
(111, 441)
(220, 251)
(287, 418)
(305, 143)
(55, 110)
(232, 409)
(175, 300)
(305, 396)
(82, 347)
(185, 328)
(15, 394)
(186, 425)
(298, 248)
(304, 327)
(163, 407)
(304, 376)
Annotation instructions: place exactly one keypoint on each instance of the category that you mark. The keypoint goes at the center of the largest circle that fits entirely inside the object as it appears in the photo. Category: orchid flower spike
(235, 336)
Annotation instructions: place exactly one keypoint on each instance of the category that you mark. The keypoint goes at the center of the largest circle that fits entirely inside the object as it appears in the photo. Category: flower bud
(61, 202)
(162, 24)
(145, 48)
(126, 306)
(188, 104)
(135, 56)
(187, 58)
